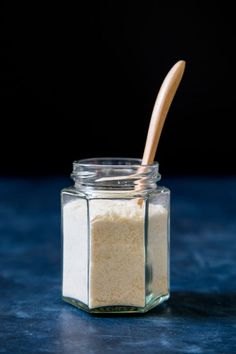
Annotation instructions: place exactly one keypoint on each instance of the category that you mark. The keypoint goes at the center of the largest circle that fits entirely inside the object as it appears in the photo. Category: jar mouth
(116, 162)
(115, 173)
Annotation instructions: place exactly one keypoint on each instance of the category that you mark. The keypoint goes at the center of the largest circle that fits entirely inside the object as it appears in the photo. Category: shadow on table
(190, 304)
(171, 323)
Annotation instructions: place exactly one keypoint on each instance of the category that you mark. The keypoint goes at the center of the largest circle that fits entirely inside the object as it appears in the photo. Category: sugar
(75, 251)
(115, 265)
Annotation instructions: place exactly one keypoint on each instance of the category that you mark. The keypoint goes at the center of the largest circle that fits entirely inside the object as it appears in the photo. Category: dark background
(80, 82)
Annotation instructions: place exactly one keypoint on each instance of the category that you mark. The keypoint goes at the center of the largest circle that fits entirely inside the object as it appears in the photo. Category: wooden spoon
(163, 101)
(161, 107)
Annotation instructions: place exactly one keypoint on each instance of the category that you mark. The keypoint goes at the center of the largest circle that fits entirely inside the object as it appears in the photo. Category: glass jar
(115, 237)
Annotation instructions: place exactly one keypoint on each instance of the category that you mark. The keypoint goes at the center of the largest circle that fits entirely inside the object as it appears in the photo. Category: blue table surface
(198, 318)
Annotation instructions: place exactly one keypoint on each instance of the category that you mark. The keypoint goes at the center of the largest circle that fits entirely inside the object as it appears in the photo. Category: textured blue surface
(200, 316)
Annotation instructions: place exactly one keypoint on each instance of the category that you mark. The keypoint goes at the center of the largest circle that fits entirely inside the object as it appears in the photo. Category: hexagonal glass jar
(115, 237)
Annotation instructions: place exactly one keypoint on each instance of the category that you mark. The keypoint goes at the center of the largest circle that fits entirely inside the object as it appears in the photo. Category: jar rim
(109, 173)
(114, 162)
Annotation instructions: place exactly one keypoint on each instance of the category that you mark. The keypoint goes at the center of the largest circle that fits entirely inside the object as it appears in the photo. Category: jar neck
(119, 175)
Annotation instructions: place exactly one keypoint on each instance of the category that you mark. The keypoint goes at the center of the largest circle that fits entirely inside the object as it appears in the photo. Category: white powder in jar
(115, 266)
(75, 251)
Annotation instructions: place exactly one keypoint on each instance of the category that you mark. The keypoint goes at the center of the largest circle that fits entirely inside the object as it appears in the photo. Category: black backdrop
(81, 82)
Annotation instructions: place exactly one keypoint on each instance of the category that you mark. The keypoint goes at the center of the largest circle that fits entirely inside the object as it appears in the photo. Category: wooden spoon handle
(164, 98)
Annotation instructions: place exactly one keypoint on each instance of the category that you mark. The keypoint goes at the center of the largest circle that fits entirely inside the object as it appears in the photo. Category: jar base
(118, 309)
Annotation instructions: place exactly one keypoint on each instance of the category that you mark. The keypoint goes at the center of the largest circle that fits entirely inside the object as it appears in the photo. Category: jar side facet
(157, 247)
(75, 247)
